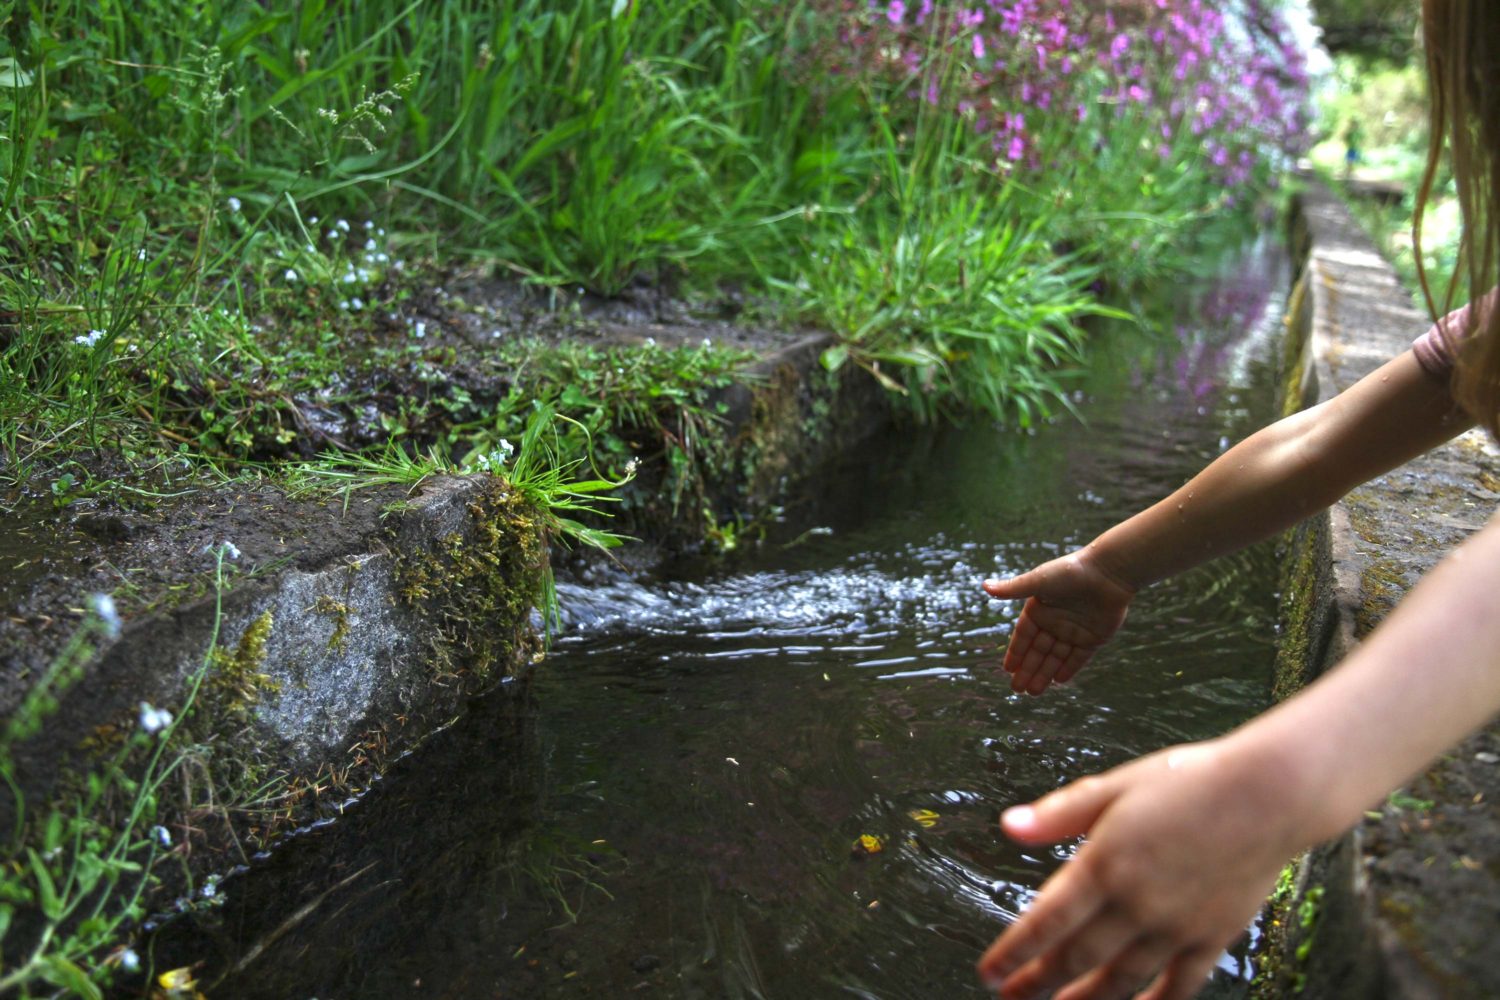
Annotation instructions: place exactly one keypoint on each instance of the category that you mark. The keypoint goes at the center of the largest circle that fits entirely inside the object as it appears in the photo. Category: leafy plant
(76, 874)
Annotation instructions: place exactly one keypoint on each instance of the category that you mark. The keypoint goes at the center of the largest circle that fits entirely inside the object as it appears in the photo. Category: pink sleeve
(1437, 349)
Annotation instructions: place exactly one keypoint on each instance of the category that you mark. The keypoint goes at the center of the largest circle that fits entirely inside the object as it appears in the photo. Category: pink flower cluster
(1229, 89)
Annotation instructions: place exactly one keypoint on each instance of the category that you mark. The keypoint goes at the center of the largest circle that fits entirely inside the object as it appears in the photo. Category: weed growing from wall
(77, 869)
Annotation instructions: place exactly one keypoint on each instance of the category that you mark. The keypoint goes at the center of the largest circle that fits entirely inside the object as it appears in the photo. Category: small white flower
(140, 254)
(333, 234)
(234, 204)
(229, 549)
(364, 275)
(350, 278)
(381, 258)
(109, 616)
(420, 329)
(380, 232)
(291, 275)
(342, 224)
(370, 225)
(130, 961)
(312, 220)
(650, 341)
(154, 720)
(88, 339)
(210, 887)
(161, 836)
(344, 304)
(310, 248)
(370, 243)
(707, 342)
(494, 334)
(356, 303)
(631, 466)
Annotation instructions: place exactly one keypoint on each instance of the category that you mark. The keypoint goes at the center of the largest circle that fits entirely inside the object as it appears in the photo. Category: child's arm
(1184, 844)
(1266, 483)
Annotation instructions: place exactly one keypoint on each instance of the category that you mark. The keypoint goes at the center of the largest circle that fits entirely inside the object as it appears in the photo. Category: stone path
(1408, 905)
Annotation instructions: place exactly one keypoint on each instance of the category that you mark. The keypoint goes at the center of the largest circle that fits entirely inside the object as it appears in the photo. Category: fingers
(1021, 638)
(1037, 653)
(1094, 947)
(1014, 587)
(1066, 903)
(1123, 975)
(1037, 657)
(1041, 664)
(1067, 812)
(1184, 975)
(1074, 663)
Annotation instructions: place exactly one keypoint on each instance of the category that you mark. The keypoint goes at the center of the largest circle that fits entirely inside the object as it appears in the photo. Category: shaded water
(670, 805)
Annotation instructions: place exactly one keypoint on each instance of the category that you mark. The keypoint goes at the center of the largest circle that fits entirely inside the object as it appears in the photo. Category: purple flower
(896, 12)
(978, 46)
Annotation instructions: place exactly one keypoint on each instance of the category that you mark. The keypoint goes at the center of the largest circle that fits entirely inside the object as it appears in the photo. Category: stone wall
(347, 630)
(1408, 903)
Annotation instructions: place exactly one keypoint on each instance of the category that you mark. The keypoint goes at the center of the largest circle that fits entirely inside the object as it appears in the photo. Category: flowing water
(670, 806)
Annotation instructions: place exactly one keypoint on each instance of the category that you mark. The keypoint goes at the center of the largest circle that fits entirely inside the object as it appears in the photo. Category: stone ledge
(1404, 905)
(365, 625)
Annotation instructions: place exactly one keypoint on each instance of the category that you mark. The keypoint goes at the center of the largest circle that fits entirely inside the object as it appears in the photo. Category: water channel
(669, 806)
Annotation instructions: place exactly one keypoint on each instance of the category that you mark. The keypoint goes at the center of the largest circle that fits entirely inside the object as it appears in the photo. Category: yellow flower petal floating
(926, 817)
(179, 982)
(866, 845)
(177, 979)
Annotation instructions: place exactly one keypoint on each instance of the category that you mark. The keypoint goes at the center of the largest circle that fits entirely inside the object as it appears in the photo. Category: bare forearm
(1427, 677)
(1282, 474)
(1245, 495)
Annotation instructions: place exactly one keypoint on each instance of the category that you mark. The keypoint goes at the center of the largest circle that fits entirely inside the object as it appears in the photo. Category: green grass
(1386, 104)
(79, 869)
(216, 214)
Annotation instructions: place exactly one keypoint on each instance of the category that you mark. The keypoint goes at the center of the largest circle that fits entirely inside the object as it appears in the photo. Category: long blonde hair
(1463, 73)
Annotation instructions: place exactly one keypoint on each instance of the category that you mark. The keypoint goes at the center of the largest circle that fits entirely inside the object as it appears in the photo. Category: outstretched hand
(1072, 608)
(1179, 857)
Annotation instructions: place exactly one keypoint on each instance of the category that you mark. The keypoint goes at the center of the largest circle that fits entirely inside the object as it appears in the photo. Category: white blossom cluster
(492, 462)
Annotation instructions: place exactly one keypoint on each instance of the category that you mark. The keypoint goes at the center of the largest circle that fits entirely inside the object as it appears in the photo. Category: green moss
(1299, 611)
(1272, 975)
(236, 681)
(1382, 585)
(340, 613)
(1294, 385)
(482, 583)
(1309, 912)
